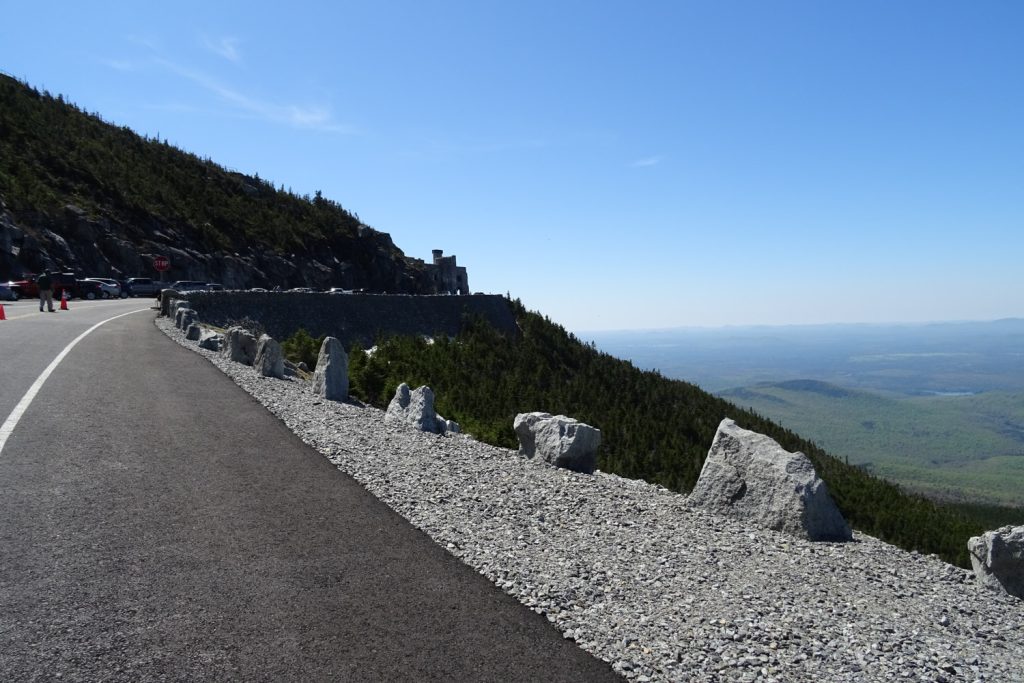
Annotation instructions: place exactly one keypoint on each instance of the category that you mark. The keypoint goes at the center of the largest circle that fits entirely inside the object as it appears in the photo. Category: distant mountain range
(78, 194)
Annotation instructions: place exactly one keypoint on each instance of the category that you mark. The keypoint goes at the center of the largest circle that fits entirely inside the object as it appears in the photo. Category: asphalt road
(156, 523)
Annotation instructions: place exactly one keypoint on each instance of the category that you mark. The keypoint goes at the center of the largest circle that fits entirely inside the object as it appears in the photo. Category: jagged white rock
(750, 476)
(998, 559)
(330, 379)
(559, 440)
(210, 340)
(415, 407)
(269, 359)
(239, 345)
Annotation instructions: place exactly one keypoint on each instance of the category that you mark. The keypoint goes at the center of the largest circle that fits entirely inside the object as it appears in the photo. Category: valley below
(937, 409)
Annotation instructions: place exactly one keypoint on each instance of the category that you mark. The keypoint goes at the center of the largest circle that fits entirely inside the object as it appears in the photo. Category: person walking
(45, 283)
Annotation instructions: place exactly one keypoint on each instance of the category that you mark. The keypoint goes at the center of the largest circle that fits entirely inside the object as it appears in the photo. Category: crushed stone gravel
(662, 590)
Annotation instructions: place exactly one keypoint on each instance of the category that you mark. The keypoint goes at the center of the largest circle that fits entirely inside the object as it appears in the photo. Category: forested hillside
(96, 198)
(653, 428)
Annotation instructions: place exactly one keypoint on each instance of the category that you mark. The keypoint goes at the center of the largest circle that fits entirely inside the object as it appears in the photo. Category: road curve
(156, 523)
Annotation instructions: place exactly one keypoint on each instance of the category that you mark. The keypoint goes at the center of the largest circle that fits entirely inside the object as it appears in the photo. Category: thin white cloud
(226, 47)
(309, 117)
(648, 161)
(148, 42)
(120, 64)
(484, 146)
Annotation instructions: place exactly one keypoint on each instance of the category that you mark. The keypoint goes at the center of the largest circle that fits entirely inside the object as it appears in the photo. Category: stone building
(448, 278)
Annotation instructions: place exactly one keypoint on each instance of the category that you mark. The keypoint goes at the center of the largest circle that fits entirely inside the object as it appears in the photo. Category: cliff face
(74, 241)
(78, 194)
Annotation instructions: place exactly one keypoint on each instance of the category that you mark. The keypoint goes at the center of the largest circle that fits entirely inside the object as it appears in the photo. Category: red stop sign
(161, 263)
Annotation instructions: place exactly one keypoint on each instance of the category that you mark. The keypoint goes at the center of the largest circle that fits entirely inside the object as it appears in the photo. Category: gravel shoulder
(661, 590)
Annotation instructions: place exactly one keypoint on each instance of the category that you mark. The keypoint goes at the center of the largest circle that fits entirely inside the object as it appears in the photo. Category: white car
(111, 288)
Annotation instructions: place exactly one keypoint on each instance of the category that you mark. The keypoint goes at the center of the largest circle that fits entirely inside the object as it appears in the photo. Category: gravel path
(663, 591)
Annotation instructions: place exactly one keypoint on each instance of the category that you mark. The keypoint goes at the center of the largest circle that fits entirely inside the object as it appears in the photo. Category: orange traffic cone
(63, 299)
(2, 316)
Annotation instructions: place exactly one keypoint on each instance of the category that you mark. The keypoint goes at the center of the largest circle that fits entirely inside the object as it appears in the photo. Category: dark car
(90, 289)
(188, 285)
(64, 282)
(142, 286)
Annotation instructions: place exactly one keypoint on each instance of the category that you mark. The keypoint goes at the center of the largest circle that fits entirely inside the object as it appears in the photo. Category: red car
(61, 282)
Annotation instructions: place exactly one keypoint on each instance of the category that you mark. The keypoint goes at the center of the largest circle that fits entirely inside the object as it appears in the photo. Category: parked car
(143, 286)
(64, 282)
(111, 287)
(8, 293)
(188, 285)
(89, 289)
(60, 282)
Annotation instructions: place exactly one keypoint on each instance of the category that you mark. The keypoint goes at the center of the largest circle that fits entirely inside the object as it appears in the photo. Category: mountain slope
(652, 428)
(77, 193)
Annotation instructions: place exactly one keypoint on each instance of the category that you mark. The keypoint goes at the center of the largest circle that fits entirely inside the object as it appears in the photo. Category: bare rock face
(559, 440)
(239, 345)
(998, 559)
(415, 407)
(269, 359)
(751, 477)
(330, 379)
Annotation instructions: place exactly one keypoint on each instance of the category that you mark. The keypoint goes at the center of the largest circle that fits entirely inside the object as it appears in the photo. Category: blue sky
(614, 164)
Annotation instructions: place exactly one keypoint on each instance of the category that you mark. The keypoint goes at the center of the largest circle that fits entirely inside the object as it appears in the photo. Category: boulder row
(751, 477)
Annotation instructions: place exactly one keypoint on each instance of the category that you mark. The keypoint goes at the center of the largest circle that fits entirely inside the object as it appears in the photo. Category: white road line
(12, 420)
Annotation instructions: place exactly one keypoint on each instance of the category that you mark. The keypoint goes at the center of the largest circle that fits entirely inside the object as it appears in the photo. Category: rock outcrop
(998, 559)
(330, 379)
(751, 477)
(559, 440)
(269, 359)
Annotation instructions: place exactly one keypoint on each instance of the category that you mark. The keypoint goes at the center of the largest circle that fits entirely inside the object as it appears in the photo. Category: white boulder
(269, 359)
(751, 477)
(330, 379)
(239, 345)
(210, 340)
(559, 440)
(415, 407)
(998, 559)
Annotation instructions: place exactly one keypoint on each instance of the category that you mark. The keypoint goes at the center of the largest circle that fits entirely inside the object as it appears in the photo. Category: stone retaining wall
(351, 317)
